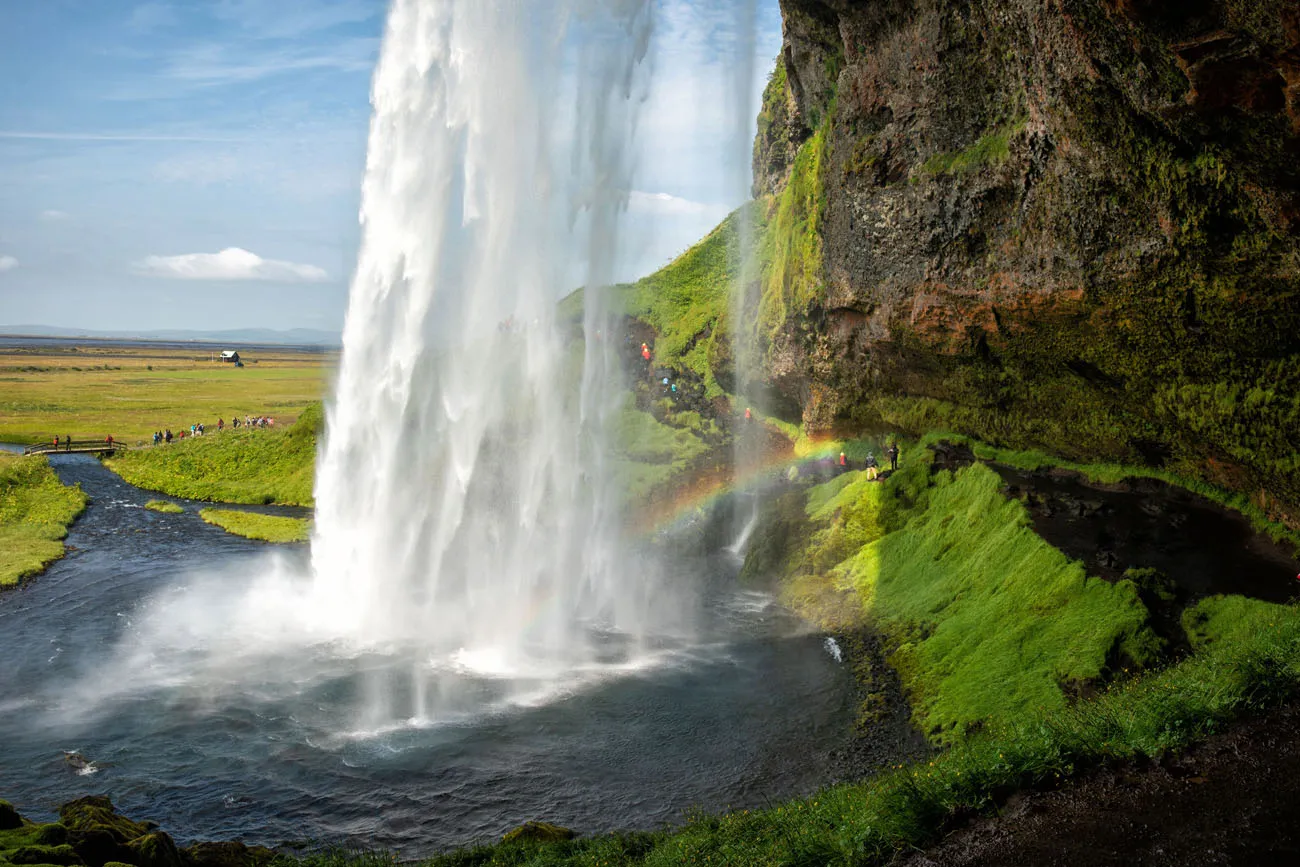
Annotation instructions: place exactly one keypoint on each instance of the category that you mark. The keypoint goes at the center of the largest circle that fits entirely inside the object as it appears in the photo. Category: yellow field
(89, 392)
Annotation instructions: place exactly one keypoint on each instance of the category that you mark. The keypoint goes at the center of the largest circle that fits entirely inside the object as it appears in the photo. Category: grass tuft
(263, 528)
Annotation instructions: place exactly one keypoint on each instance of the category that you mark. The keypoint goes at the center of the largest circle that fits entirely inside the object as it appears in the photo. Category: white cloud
(8, 263)
(53, 216)
(230, 264)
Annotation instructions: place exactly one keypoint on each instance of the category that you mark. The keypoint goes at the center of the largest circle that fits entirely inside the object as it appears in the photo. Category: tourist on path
(893, 457)
(873, 469)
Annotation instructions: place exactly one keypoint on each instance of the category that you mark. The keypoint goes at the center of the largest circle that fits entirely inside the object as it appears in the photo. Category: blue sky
(140, 140)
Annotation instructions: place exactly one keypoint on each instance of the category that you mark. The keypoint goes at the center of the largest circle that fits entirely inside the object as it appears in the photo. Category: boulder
(61, 855)
(9, 818)
(234, 854)
(96, 813)
(154, 850)
(538, 832)
(98, 846)
(53, 834)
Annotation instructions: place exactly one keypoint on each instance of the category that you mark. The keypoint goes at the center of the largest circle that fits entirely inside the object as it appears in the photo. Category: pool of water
(278, 746)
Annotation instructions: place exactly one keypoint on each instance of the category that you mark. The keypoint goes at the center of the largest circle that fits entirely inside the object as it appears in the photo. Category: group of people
(198, 429)
(871, 465)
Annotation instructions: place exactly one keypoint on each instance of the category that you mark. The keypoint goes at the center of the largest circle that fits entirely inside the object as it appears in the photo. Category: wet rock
(96, 813)
(61, 855)
(9, 818)
(53, 834)
(98, 846)
(233, 854)
(538, 832)
(154, 850)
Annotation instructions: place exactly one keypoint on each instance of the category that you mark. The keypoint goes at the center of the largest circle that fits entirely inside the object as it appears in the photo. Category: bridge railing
(75, 447)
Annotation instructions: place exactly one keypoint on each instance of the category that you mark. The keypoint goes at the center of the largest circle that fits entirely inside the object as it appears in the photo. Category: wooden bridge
(76, 447)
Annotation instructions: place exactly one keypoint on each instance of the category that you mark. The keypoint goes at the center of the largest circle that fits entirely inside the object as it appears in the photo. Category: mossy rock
(52, 834)
(9, 818)
(61, 855)
(155, 850)
(233, 854)
(98, 847)
(96, 813)
(538, 832)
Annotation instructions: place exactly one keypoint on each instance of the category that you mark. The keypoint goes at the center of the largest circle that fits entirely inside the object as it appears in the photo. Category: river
(750, 712)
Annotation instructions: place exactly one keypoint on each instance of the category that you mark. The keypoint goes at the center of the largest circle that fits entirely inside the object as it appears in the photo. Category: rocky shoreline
(91, 833)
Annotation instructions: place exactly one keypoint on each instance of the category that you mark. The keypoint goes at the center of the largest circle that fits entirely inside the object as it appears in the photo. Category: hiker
(109, 440)
(893, 457)
(844, 461)
(873, 470)
(221, 424)
(56, 441)
(645, 352)
(168, 436)
(67, 443)
(748, 415)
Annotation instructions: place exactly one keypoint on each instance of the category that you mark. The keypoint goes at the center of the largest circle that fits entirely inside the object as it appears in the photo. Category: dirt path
(1234, 800)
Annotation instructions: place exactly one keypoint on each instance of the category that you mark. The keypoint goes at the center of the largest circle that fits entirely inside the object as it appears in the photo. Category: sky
(196, 164)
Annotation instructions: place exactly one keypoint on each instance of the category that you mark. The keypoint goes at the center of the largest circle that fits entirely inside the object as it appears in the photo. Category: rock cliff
(1071, 224)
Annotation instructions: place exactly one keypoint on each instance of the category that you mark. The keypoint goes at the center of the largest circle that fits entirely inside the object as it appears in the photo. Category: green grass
(166, 507)
(989, 620)
(131, 392)
(687, 301)
(35, 512)
(234, 466)
(650, 454)
(264, 528)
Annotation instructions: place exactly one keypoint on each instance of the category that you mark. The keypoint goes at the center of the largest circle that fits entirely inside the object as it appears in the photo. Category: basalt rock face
(1072, 224)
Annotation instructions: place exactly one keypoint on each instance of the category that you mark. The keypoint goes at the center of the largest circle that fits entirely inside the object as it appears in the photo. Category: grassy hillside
(687, 302)
(35, 511)
(234, 466)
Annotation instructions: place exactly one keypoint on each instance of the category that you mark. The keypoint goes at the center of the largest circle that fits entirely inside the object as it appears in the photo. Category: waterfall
(463, 501)
(744, 291)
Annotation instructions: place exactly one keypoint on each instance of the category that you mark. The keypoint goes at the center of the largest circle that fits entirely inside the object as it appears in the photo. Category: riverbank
(36, 510)
(257, 466)
(261, 528)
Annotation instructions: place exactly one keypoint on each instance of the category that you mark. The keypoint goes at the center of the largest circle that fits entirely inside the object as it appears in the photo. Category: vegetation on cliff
(234, 466)
(1068, 229)
(35, 512)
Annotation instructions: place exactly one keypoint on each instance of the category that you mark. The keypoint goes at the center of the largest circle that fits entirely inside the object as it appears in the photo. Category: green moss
(166, 507)
(791, 245)
(649, 454)
(263, 528)
(233, 466)
(990, 620)
(992, 148)
(35, 512)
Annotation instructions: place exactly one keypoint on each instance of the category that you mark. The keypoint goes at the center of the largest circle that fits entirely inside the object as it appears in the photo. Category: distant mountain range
(292, 337)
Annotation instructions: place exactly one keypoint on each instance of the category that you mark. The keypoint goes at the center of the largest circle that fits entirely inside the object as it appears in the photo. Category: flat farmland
(93, 389)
